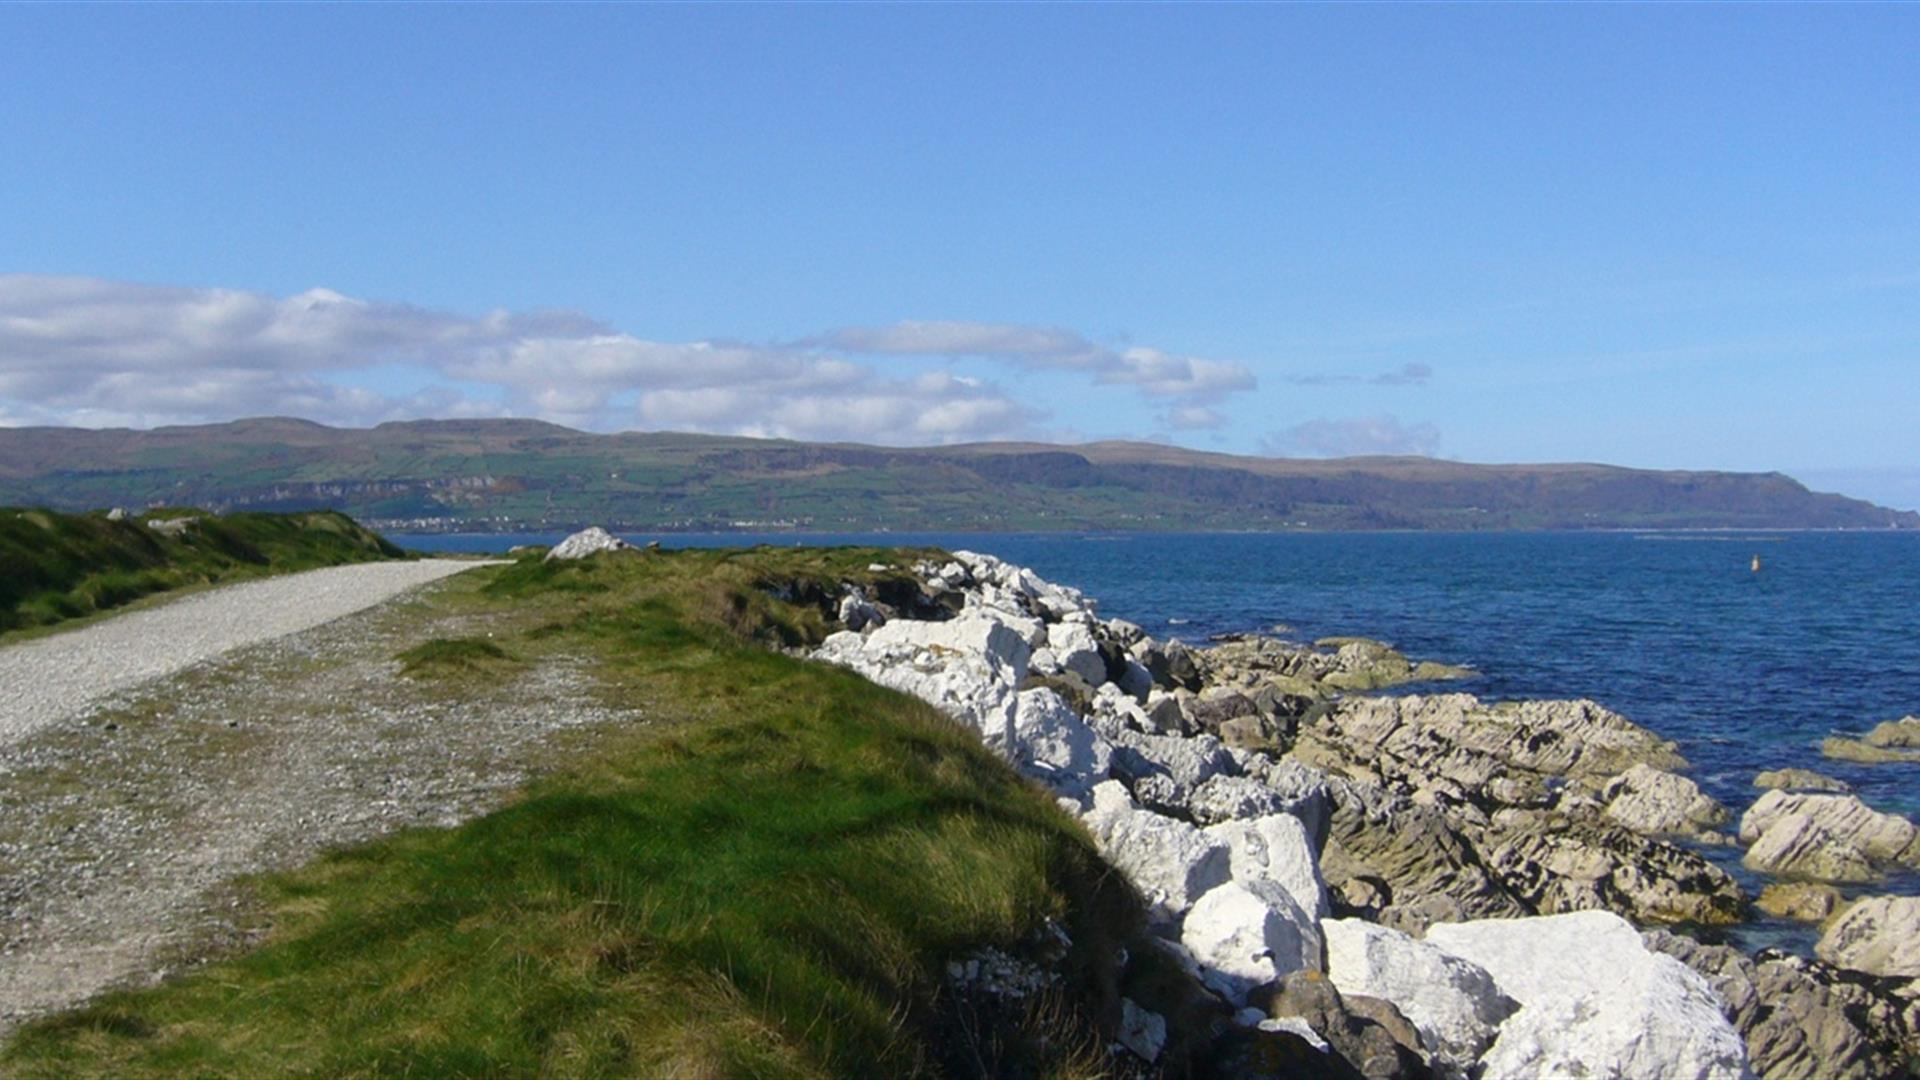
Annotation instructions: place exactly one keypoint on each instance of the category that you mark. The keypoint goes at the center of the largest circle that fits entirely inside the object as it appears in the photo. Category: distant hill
(526, 474)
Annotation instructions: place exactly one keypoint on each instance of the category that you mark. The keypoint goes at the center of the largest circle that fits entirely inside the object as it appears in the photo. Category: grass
(443, 657)
(766, 880)
(55, 568)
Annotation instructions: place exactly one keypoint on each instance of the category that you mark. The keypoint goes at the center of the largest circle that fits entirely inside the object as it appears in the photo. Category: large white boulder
(999, 639)
(1594, 1001)
(1880, 935)
(1276, 848)
(1169, 861)
(1074, 649)
(969, 666)
(1453, 1002)
(1051, 743)
(1247, 934)
(586, 542)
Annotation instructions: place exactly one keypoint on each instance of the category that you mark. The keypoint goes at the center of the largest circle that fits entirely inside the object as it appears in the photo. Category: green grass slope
(55, 567)
(768, 878)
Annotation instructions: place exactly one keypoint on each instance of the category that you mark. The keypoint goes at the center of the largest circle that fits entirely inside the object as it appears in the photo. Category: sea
(1745, 669)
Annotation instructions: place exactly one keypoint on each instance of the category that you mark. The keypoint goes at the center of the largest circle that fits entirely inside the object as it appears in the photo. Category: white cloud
(1193, 418)
(1412, 374)
(102, 353)
(1152, 371)
(1352, 437)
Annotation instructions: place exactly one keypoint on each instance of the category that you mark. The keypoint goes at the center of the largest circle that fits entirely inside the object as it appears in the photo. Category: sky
(1668, 236)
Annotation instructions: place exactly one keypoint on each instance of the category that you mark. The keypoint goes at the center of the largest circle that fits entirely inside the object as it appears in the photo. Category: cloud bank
(1404, 375)
(1353, 437)
(94, 352)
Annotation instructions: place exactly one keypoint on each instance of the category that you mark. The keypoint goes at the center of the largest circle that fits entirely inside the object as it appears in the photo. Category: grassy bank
(57, 567)
(768, 878)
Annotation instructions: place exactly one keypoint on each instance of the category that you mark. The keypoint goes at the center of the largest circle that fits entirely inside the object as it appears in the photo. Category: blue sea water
(1745, 670)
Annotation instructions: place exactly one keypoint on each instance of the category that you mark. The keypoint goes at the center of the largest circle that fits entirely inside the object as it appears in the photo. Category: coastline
(1427, 812)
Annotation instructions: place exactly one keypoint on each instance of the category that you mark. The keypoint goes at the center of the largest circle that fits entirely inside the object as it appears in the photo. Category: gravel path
(51, 678)
(123, 829)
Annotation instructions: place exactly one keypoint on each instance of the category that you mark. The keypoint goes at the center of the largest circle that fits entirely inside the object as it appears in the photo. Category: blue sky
(1654, 235)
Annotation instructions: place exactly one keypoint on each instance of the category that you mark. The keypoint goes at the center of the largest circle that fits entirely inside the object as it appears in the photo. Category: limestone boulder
(1169, 861)
(1050, 742)
(1655, 802)
(969, 666)
(1166, 770)
(1594, 1001)
(585, 543)
(1799, 846)
(1142, 1031)
(857, 613)
(1828, 837)
(1879, 935)
(1074, 648)
(1454, 1003)
(1276, 848)
(1247, 934)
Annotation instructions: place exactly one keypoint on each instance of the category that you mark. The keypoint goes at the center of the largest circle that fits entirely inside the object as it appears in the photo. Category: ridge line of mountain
(504, 475)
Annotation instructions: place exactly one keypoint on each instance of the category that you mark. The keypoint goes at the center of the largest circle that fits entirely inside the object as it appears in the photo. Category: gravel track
(124, 828)
(44, 681)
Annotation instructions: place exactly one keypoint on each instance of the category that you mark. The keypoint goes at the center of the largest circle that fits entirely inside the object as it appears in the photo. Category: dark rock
(1069, 685)
(1172, 666)
(1370, 1034)
(1801, 1020)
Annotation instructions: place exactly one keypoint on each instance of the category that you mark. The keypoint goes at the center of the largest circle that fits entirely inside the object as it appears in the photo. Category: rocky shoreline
(1424, 884)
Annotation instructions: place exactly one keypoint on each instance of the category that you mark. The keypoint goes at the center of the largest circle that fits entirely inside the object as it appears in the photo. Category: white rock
(1454, 1003)
(584, 543)
(1276, 849)
(1655, 802)
(1245, 935)
(1113, 713)
(1594, 1001)
(1142, 1031)
(995, 638)
(1075, 650)
(1229, 798)
(1169, 861)
(1879, 935)
(1052, 744)
(968, 667)
(1186, 762)
(1296, 1026)
(1877, 835)
(857, 613)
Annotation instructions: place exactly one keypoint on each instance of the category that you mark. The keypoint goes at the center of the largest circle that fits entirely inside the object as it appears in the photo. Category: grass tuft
(452, 656)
